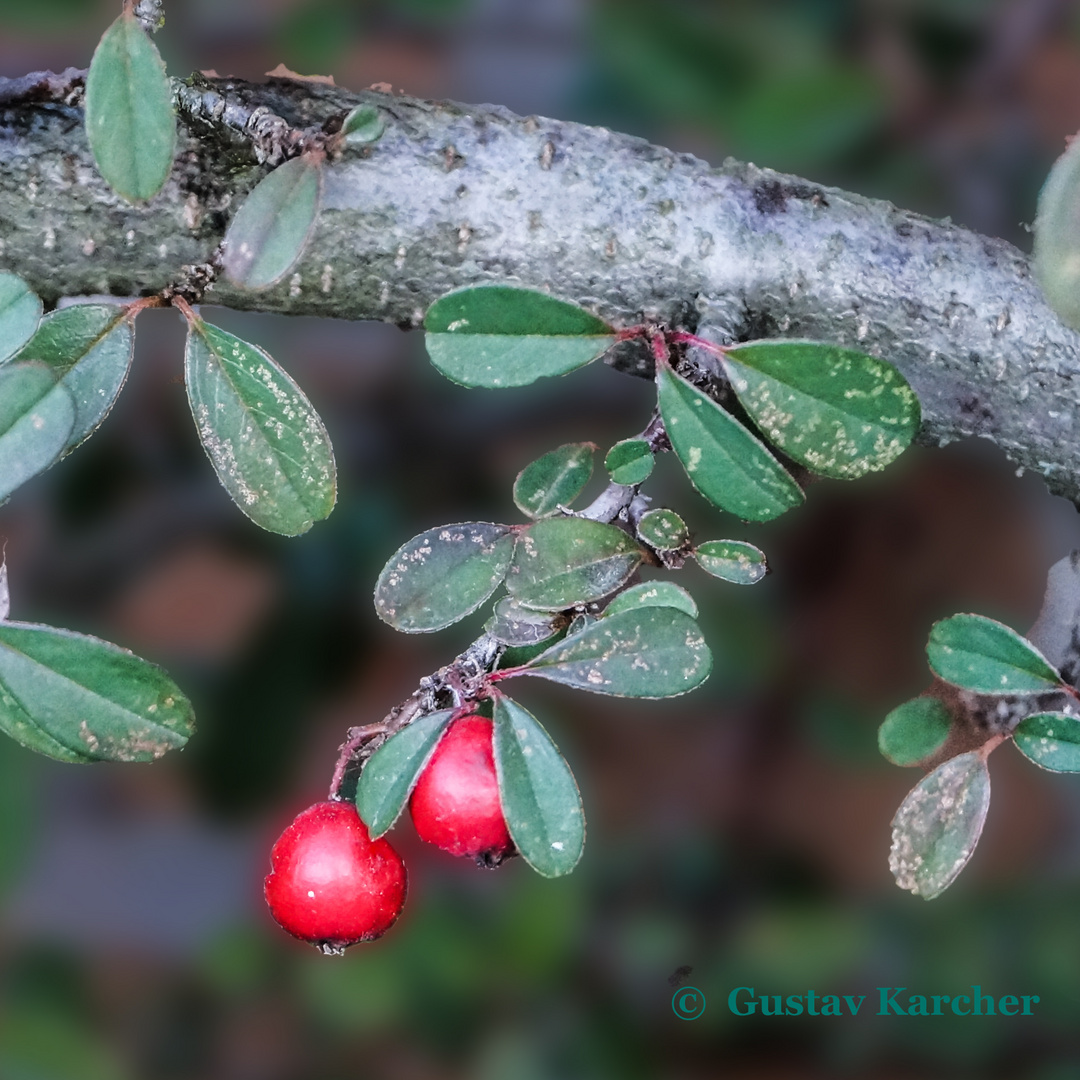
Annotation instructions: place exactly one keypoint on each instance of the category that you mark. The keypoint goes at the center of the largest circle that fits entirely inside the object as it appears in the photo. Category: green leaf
(89, 349)
(838, 412)
(539, 797)
(514, 625)
(36, 418)
(496, 336)
(629, 462)
(663, 529)
(645, 652)
(733, 560)
(914, 731)
(130, 120)
(76, 698)
(443, 574)
(653, 594)
(20, 313)
(938, 825)
(273, 224)
(362, 126)
(725, 462)
(1056, 253)
(553, 480)
(390, 774)
(988, 657)
(561, 562)
(264, 438)
(1050, 740)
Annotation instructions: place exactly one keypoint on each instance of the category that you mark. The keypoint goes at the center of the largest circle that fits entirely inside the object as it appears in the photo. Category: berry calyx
(330, 883)
(455, 804)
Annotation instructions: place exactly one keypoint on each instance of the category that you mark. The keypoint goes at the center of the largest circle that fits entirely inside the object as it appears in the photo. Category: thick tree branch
(455, 195)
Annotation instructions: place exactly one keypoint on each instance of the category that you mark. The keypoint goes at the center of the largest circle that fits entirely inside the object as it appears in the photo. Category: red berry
(330, 883)
(455, 804)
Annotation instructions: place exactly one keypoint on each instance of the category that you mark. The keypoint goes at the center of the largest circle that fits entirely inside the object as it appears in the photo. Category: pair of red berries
(332, 885)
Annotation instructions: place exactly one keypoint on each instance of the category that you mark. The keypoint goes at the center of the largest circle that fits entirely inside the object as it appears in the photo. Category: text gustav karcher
(890, 1001)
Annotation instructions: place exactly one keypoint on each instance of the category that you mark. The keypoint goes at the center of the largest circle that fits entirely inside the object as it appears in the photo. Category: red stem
(680, 337)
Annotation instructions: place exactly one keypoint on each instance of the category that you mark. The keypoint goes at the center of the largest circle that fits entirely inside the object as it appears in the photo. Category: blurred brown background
(742, 831)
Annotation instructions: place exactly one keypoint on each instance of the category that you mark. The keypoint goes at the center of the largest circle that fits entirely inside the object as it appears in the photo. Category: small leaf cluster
(938, 825)
(575, 611)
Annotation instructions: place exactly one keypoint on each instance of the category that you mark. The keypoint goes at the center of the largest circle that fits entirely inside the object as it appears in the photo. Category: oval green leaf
(1050, 740)
(914, 731)
(89, 349)
(130, 120)
(20, 313)
(79, 698)
(539, 797)
(629, 462)
(390, 774)
(36, 418)
(645, 652)
(272, 226)
(1056, 252)
(362, 126)
(839, 412)
(663, 529)
(497, 336)
(442, 575)
(988, 657)
(514, 625)
(653, 594)
(732, 560)
(724, 461)
(555, 479)
(938, 825)
(561, 562)
(264, 438)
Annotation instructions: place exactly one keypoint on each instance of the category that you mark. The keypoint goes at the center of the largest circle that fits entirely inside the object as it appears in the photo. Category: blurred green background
(737, 836)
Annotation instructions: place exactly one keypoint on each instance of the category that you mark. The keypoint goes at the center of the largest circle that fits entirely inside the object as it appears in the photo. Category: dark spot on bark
(771, 196)
(758, 324)
(904, 228)
(974, 358)
(452, 159)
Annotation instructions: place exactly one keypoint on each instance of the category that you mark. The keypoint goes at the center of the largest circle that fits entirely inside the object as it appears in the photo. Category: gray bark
(455, 195)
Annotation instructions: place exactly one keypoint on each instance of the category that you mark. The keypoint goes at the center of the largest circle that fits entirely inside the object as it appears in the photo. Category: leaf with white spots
(443, 574)
(20, 313)
(1050, 740)
(537, 791)
(653, 594)
(554, 479)
(663, 529)
(725, 462)
(264, 438)
(36, 417)
(272, 226)
(839, 412)
(78, 698)
(561, 562)
(988, 657)
(130, 119)
(732, 560)
(643, 652)
(390, 774)
(496, 336)
(89, 348)
(935, 831)
(914, 731)
(514, 625)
